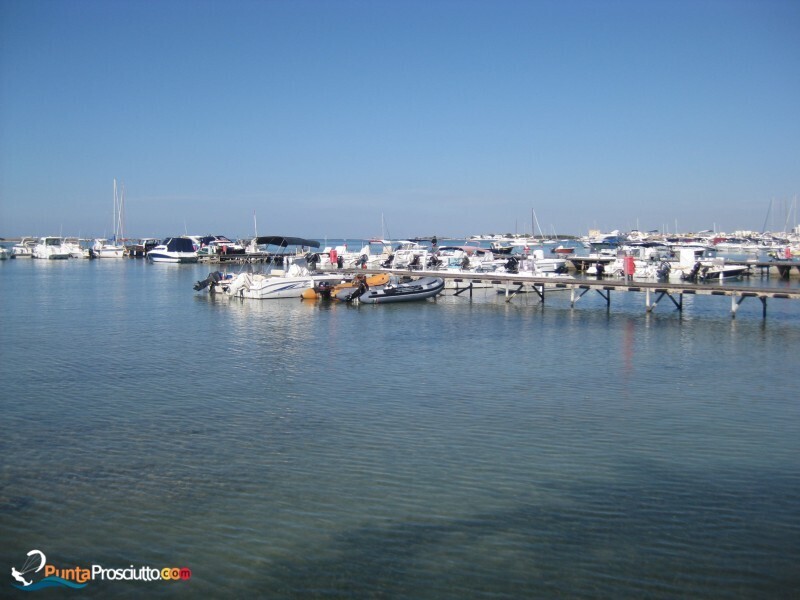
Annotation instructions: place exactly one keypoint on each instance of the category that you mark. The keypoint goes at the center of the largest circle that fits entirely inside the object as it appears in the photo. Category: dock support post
(465, 289)
(573, 299)
(516, 291)
(539, 291)
(763, 307)
(606, 296)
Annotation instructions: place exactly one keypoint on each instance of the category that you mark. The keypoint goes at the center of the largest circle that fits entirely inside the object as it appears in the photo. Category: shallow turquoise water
(443, 449)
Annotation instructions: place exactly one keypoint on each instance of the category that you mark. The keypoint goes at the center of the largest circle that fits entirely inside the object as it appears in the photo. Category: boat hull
(171, 257)
(424, 288)
(268, 287)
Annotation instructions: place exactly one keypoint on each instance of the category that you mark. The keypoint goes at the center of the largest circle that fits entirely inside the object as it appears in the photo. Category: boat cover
(282, 241)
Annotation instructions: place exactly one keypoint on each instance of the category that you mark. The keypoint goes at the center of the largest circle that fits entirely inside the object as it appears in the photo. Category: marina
(514, 284)
(400, 300)
(436, 449)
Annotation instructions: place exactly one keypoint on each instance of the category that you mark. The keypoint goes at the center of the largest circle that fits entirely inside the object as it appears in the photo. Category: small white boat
(291, 283)
(24, 248)
(102, 248)
(692, 265)
(218, 245)
(142, 247)
(5, 254)
(174, 250)
(76, 248)
(410, 255)
(51, 248)
(288, 277)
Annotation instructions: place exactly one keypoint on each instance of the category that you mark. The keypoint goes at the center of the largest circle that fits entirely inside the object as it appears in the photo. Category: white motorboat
(537, 263)
(692, 266)
(5, 254)
(277, 283)
(142, 247)
(173, 250)
(410, 255)
(76, 248)
(219, 245)
(51, 248)
(24, 248)
(288, 275)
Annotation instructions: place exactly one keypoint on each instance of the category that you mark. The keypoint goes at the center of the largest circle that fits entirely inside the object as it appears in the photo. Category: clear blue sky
(445, 117)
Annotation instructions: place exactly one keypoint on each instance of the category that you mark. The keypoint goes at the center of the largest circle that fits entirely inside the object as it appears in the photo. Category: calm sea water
(447, 449)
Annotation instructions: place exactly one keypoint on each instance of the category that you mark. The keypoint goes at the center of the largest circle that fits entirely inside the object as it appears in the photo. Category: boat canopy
(179, 245)
(282, 241)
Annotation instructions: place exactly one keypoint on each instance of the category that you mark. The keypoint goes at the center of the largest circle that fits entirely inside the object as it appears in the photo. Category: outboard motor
(692, 275)
(324, 289)
(600, 270)
(512, 265)
(213, 277)
(312, 258)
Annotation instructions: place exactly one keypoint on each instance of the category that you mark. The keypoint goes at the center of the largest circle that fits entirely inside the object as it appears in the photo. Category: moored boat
(51, 248)
(174, 250)
(349, 290)
(24, 248)
(103, 248)
(141, 248)
(287, 277)
(420, 289)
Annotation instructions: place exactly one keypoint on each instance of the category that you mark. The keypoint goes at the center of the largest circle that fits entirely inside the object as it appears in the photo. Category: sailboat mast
(537, 224)
(114, 216)
(121, 233)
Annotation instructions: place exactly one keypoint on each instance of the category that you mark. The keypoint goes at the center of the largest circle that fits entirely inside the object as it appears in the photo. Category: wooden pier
(654, 292)
(783, 267)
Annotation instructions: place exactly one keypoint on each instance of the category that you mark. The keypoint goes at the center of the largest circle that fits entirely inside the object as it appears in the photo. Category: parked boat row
(289, 276)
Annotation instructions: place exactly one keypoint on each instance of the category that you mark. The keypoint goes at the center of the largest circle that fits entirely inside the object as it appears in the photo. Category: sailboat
(103, 248)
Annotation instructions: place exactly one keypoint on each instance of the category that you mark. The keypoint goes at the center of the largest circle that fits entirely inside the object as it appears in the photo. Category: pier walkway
(653, 291)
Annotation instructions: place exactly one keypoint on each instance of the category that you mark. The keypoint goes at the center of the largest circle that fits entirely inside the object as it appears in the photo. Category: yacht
(51, 248)
(174, 250)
